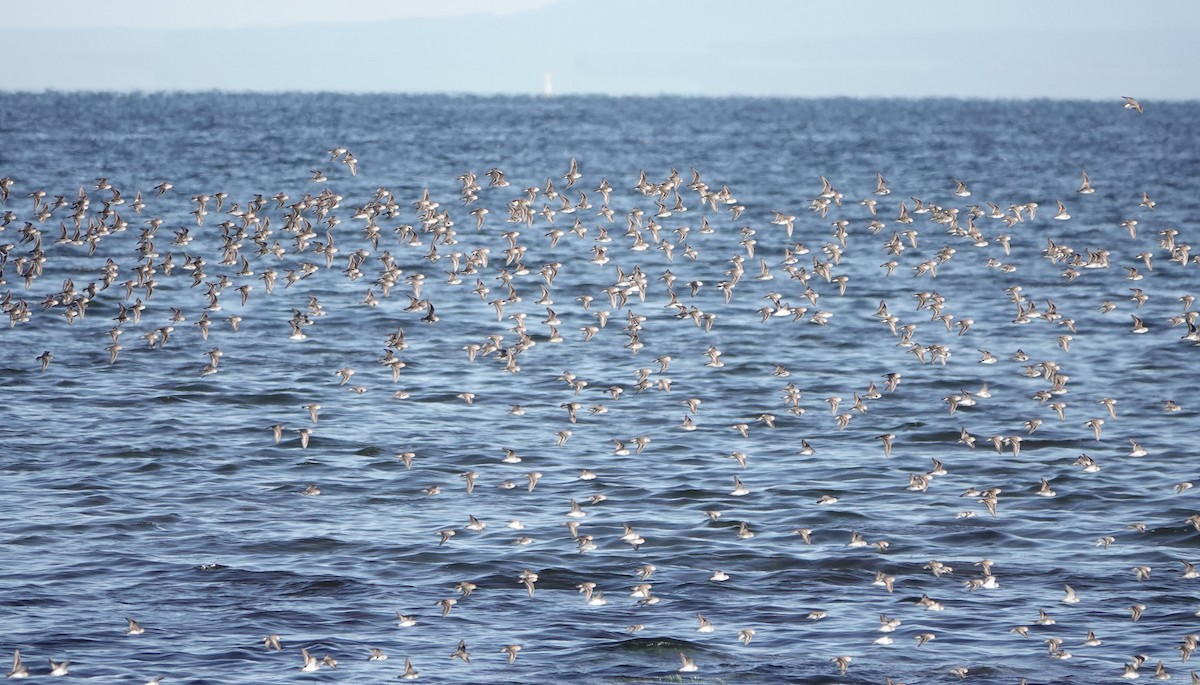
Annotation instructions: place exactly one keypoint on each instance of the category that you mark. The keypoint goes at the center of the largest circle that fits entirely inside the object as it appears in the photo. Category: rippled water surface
(152, 488)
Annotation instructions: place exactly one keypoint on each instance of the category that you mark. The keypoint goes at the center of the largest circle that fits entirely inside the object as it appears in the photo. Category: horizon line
(567, 95)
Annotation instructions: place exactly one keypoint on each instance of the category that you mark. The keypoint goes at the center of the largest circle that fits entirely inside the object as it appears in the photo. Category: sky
(1099, 49)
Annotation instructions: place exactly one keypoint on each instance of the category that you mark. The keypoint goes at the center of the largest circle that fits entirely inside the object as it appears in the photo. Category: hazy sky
(1099, 49)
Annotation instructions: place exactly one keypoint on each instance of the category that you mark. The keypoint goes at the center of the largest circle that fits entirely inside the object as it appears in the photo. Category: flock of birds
(254, 247)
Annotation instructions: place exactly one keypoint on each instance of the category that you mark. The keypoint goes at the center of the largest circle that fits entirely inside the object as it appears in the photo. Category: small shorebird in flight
(18, 669)
(1085, 184)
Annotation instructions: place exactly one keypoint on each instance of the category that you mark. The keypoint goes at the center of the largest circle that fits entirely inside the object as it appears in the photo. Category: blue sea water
(146, 489)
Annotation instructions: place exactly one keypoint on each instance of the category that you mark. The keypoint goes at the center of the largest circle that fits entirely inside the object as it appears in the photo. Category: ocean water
(148, 488)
